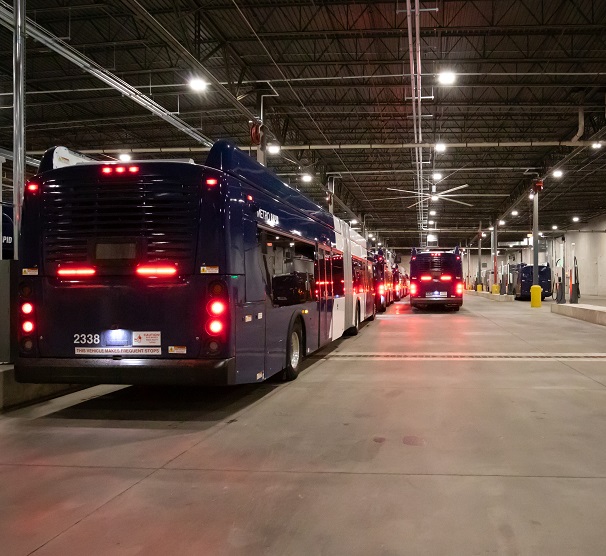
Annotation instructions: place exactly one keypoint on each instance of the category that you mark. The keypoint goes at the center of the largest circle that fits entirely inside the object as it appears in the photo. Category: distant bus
(522, 277)
(436, 278)
(163, 272)
(383, 281)
(400, 282)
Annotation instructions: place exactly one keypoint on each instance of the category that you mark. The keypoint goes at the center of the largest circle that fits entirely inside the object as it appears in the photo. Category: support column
(535, 289)
(18, 119)
(496, 288)
(479, 277)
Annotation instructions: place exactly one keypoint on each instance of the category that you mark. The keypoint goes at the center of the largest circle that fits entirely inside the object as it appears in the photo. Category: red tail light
(413, 289)
(425, 278)
(217, 308)
(459, 289)
(446, 277)
(214, 327)
(120, 169)
(397, 287)
(33, 187)
(381, 289)
(27, 308)
(133, 169)
(76, 271)
(28, 326)
(156, 270)
(107, 170)
(212, 181)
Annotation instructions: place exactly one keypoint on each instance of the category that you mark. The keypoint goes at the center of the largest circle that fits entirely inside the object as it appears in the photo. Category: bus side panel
(251, 311)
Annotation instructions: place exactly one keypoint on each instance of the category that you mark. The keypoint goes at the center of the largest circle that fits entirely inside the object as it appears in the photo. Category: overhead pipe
(55, 44)
(345, 147)
(581, 129)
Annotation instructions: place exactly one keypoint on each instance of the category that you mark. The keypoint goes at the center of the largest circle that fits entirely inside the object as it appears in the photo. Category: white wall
(590, 250)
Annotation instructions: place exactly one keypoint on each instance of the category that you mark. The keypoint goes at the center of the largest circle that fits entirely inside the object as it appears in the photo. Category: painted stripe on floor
(468, 356)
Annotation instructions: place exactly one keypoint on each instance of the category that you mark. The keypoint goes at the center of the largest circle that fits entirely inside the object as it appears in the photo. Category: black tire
(456, 308)
(356, 327)
(374, 311)
(293, 363)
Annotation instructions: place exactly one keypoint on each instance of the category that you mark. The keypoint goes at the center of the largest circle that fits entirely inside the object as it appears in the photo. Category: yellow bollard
(535, 296)
(479, 287)
(496, 289)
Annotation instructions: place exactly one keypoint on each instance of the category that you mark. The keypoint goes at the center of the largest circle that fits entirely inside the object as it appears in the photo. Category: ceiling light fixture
(432, 213)
(306, 178)
(198, 85)
(440, 147)
(557, 173)
(575, 218)
(354, 221)
(554, 227)
(446, 77)
(124, 157)
(501, 222)
(434, 197)
(514, 213)
(273, 148)
(596, 145)
(437, 176)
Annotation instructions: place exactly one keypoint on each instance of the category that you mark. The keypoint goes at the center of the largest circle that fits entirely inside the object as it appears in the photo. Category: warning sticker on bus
(118, 351)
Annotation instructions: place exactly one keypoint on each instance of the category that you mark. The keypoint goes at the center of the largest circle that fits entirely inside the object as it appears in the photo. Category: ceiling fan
(445, 195)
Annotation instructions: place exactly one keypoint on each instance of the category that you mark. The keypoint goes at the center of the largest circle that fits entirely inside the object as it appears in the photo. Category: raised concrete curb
(589, 313)
(14, 394)
(491, 296)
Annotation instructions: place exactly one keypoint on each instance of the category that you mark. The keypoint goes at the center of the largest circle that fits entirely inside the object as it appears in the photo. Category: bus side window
(290, 265)
(338, 274)
(255, 276)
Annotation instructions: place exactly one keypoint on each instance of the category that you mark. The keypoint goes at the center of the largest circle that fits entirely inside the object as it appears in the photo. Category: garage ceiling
(336, 82)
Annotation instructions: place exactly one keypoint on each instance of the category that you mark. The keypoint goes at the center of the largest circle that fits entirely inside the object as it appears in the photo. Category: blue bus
(436, 278)
(522, 280)
(167, 272)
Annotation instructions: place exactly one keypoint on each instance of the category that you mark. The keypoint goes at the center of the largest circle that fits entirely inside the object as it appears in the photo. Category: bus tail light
(27, 326)
(27, 308)
(214, 327)
(397, 287)
(446, 278)
(212, 181)
(217, 288)
(425, 278)
(413, 289)
(32, 187)
(76, 271)
(381, 289)
(459, 290)
(156, 270)
(217, 307)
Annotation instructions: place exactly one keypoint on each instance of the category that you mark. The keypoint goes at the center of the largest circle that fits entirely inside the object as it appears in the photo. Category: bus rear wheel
(295, 351)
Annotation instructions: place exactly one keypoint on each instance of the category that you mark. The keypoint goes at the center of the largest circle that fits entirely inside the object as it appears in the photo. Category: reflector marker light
(446, 277)
(107, 170)
(76, 271)
(28, 326)
(27, 308)
(152, 271)
(212, 181)
(120, 169)
(32, 187)
(425, 278)
(133, 169)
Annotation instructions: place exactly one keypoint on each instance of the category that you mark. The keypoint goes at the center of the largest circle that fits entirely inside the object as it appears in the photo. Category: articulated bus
(164, 272)
(436, 278)
(383, 281)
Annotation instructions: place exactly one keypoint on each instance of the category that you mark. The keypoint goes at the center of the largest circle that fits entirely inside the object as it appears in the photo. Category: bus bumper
(444, 301)
(126, 371)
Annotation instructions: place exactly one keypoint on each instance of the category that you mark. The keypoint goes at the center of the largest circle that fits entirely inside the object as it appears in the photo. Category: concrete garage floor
(428, 433)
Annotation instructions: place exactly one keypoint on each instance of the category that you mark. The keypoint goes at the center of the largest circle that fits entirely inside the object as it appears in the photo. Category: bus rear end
(120, 281)
(436, 278)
